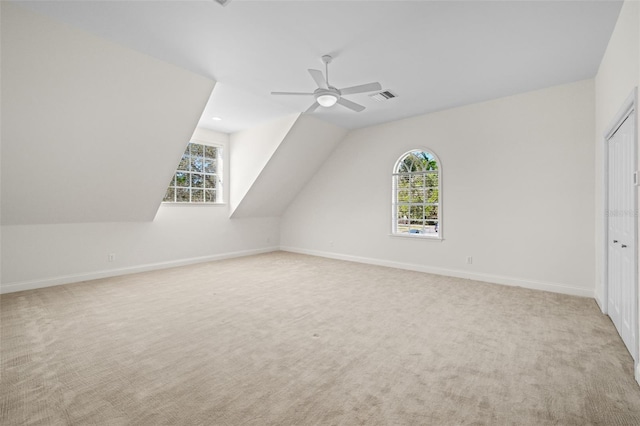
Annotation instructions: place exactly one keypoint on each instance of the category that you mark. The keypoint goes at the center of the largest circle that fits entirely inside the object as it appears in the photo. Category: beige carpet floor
(288, 339)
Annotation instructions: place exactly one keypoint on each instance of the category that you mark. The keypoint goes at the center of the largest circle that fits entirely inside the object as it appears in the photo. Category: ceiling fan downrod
(327, 60)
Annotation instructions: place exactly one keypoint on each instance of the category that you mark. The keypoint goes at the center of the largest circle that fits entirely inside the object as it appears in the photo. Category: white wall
(252, 149)
(40, 255)
(518, 196)
(618, 75)
(90, 129)
(300, 154)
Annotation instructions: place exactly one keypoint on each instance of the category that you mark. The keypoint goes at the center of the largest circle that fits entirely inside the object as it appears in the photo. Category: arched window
(417, 197)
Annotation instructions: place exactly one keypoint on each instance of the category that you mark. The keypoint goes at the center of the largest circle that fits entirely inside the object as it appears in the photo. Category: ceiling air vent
(223, 2)
(383, 96)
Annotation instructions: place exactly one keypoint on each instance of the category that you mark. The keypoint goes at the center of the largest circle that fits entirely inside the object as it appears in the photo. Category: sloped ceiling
(296, 159)
(90, 130)
(251, 150)
(99, 127)
(433, 54)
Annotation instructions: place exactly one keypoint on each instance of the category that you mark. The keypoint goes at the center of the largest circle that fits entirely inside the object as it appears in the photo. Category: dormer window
(198, 177)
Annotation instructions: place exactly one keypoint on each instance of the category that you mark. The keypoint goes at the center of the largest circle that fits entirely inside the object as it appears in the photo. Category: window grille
(197, 178)
(416, 195)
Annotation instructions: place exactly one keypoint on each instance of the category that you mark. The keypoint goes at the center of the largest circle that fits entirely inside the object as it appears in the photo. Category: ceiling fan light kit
(327, 96)
(327, 99)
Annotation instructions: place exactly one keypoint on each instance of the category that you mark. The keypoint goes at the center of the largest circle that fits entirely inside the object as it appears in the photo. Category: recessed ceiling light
(216, 118)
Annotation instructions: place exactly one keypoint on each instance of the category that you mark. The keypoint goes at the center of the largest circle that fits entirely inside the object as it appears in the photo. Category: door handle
(615, 241)
(624, 246)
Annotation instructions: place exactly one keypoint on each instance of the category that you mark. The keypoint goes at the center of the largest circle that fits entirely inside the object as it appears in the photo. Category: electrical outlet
(331, 243)
(111, 257)
(268, 240)
(469, 260)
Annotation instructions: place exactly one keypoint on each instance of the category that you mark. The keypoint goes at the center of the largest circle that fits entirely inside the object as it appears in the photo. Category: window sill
(418, 237)
(164, 203)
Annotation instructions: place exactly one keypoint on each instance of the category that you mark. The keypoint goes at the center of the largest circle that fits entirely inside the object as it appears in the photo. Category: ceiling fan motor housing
(330, 91)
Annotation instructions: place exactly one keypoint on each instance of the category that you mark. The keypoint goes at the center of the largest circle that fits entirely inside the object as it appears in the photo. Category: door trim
(628, 107)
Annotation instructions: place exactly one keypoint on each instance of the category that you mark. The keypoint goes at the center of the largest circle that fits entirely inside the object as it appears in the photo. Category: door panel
(622, 299)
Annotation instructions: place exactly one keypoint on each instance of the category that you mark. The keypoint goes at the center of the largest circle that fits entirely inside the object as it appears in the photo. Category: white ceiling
(433, 55)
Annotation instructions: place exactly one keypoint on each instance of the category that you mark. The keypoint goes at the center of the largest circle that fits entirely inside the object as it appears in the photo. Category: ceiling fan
(326, 95)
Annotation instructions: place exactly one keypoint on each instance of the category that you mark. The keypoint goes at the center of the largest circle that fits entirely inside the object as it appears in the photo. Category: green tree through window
(197, 177)
(416, 195)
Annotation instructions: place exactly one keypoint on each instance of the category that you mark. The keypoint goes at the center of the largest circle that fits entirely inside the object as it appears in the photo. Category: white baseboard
(68, 279)
(599, 302)
(637, 372)
(495, 279)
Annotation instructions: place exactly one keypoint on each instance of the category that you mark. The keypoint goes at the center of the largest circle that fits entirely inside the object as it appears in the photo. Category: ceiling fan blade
(312, 108)
(371, 87)
(351, 105)
(318, 78)
(291, 93)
